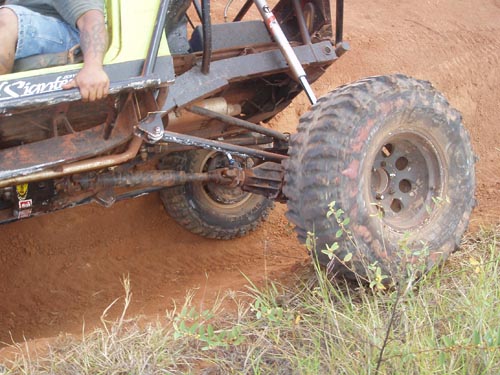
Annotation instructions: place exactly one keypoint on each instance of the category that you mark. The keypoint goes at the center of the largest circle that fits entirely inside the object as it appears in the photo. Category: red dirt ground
(61, 270)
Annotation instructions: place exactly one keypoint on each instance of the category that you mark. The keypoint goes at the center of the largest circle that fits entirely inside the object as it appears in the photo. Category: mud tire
(371, 143)
(206, 209)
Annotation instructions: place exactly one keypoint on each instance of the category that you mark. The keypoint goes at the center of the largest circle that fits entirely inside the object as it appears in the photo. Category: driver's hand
(92, 81)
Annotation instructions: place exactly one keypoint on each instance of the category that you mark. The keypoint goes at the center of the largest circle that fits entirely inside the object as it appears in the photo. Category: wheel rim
(405, 180)
(221, 195)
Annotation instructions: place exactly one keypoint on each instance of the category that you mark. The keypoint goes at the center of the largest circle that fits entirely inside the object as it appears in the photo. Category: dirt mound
(59, 271)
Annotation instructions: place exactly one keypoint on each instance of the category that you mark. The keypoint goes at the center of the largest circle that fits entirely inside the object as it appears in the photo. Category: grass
(448, 324)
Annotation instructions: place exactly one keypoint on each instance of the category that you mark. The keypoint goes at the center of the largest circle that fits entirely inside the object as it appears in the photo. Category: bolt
(327, 50)
(157, 130)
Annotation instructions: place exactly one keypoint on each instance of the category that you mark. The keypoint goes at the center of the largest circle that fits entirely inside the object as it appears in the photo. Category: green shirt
(67, 10)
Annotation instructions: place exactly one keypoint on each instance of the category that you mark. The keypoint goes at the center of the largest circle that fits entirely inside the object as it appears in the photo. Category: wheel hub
(404, 178)
(222, 194)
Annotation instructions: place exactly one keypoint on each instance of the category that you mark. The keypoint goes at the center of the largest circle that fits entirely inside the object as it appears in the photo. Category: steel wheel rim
(406, 180)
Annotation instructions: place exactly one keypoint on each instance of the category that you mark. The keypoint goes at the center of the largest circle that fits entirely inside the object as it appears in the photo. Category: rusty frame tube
(80, 166)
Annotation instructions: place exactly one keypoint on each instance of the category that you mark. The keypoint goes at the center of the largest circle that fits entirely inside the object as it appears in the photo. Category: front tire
(390, 154)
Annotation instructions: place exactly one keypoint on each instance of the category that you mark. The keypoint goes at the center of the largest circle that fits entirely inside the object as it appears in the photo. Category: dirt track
(60, 270)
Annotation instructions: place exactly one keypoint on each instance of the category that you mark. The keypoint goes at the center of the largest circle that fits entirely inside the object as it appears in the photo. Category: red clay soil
(61, 270)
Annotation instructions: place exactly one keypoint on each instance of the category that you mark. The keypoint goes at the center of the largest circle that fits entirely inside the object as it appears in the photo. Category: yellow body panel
(130, 24)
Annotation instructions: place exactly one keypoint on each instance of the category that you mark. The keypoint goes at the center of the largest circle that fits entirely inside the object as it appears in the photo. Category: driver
(32, 27)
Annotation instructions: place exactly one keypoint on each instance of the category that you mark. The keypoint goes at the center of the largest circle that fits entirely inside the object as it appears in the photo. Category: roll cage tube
(207, 36)
(154, 46)
(339, 22)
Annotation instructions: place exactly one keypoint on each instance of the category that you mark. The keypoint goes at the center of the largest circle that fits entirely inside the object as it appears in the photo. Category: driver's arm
(92, 81)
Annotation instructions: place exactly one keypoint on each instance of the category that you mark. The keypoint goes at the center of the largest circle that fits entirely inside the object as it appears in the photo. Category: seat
(73, 56)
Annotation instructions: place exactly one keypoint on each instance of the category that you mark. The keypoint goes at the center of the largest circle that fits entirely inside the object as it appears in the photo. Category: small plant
(342, 222)
(410, 264)
(374, 277)
(377, 278)
(273, 314)
(191, 324)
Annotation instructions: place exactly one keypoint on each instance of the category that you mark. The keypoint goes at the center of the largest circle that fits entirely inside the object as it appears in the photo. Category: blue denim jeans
(39, 34)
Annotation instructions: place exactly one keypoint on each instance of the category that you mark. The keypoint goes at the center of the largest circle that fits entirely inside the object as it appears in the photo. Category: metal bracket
(152, 125)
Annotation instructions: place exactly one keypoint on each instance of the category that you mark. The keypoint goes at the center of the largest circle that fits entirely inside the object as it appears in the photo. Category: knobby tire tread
(322, 150)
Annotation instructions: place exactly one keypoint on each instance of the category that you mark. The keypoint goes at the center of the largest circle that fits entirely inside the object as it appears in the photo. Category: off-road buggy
(374, 162)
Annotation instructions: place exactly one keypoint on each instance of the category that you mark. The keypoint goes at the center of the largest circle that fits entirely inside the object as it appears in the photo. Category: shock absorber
(285, 47)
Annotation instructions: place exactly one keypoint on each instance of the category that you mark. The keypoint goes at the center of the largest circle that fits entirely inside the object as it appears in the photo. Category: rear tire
(208, 209)
(395, 157)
